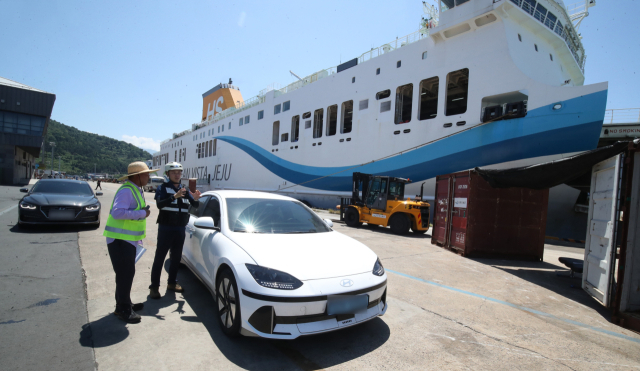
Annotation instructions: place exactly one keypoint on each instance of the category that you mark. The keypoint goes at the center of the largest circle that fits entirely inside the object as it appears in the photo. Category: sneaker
(154, 293)
(175, 287)
(131, 317)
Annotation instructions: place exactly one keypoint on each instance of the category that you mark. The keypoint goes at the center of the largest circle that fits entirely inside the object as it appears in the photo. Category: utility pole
(59, 159)
(52, 144)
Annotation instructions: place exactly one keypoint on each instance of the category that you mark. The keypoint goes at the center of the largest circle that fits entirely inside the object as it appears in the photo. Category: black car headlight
(95, 207)
(378, 269)
(27, 206)
(272, 278)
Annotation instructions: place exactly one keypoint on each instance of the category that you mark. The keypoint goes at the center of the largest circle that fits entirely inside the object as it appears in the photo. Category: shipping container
(473, 219)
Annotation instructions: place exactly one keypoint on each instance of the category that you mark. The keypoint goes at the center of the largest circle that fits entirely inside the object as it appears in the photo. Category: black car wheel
(228, 303)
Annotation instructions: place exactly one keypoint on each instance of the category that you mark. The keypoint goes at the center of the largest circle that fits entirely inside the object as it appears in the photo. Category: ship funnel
(220, 98)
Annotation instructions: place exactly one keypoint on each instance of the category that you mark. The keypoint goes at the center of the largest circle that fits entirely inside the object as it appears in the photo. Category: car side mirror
(205, 222)
(99, 193)
(24, 190)
(328, 222)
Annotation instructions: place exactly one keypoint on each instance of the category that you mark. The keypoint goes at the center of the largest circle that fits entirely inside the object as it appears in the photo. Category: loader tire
(400, 223)
(352, 217)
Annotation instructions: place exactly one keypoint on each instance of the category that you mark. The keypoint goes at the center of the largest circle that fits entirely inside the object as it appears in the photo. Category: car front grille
(47, 209)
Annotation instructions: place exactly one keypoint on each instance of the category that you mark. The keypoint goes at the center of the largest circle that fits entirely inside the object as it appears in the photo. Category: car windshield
(259, 215)
(62, 187)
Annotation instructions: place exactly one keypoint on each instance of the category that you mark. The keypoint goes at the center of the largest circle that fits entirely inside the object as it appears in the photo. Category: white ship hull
(508, 54)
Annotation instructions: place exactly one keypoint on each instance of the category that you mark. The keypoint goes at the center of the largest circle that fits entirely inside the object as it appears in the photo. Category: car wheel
(352, 217)
(400, 223)
(228, 301)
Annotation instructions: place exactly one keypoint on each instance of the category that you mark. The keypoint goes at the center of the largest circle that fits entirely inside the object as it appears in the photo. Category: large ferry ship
(489, 83)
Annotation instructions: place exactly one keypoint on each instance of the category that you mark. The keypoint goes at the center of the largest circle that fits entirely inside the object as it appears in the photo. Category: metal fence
(622, 116)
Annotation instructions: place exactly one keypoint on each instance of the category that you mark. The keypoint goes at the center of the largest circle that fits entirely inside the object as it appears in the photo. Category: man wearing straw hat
(125, 230)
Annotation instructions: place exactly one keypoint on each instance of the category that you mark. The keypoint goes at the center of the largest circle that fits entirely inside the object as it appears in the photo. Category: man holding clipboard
(125, 229)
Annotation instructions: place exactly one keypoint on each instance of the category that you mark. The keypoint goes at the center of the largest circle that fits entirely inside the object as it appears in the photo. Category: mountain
(149, 150)
(80, 150)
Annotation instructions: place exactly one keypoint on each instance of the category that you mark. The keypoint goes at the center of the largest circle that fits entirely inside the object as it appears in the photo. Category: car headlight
(93, 207)
(28, 206)
(378, 269)
(272, 278)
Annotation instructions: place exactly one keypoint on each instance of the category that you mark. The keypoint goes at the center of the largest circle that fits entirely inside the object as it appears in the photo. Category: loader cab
(382, 189)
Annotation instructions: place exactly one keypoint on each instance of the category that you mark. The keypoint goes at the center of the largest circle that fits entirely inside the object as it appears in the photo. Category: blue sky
(136, 70)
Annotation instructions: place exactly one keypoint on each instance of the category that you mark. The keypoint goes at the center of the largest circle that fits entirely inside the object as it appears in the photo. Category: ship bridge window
(295, 128)
(346, 117)
(318, 116)
(276, 109)
(260, 115)
(175, 156)
(306, 115)
(215, 146)
(519, 37)
(332, 120)
(286, 105)
(307, 124)
(404, 104)
(424, 55)
(383, 94)
(276, 133)
(241, 121)
(246, 119)
(364, 104)
(540, 13)
(284, 137)
(457, 92)
(377, 71)
(428, 108)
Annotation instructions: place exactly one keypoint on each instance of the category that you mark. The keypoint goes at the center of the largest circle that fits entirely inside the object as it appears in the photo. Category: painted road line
(8, 209)
(543, 314)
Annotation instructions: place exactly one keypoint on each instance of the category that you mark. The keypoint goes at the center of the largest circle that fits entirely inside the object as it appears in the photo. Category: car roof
(247, 194)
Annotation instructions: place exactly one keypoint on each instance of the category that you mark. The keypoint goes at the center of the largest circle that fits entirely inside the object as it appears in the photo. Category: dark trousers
(98, 186)
(123, 259)
(168, 241)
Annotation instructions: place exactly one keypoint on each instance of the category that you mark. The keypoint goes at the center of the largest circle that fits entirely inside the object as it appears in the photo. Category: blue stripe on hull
(576, 127)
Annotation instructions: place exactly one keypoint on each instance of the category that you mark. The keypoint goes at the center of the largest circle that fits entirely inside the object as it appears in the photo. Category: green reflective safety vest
(127, 229)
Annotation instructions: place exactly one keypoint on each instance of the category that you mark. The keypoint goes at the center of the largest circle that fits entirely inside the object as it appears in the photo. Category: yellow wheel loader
(382, 203)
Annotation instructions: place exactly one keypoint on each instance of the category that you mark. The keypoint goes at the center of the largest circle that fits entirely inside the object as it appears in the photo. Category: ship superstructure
(491, 83)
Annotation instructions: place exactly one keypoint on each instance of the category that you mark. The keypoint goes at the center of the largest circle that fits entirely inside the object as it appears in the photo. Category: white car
(277, 270)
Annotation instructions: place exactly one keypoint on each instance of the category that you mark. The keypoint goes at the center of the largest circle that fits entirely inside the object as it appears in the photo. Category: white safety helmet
(172, 166)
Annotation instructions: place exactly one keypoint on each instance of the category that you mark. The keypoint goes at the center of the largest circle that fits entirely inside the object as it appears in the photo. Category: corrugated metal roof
(7, 82)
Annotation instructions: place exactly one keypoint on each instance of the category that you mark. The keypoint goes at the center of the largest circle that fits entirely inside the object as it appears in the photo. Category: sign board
(620, 131)
(460, 202)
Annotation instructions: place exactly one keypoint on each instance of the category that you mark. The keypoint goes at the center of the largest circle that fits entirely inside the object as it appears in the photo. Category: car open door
(600, 247)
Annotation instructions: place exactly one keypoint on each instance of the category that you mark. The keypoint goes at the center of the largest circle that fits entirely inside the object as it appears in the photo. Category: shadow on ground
(48, 229)
(544, 274)
(308, 353)
(111, 329)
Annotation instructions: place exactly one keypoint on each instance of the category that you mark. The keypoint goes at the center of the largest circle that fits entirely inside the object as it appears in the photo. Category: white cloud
(243, 15)
(142, 142)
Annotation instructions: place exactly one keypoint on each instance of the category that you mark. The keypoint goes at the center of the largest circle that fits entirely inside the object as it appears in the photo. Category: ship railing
(393, 45)
(551, 21)
(622, 116)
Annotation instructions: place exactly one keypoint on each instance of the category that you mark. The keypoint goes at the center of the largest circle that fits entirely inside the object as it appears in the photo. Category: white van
(154, 183)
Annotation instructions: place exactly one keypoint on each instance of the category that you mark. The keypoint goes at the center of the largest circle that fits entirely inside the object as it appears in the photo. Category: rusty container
(473, 219)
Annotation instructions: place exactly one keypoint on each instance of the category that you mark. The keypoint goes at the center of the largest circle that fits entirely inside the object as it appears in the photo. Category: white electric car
(277, 270)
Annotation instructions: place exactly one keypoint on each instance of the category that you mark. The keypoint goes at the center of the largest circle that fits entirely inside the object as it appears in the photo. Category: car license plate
(346, 304)
(62, 214)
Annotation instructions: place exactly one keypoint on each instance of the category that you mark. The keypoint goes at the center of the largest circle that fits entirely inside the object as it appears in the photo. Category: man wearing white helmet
(173, 201)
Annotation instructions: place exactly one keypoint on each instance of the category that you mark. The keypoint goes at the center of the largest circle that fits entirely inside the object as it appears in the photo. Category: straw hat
(136, 168)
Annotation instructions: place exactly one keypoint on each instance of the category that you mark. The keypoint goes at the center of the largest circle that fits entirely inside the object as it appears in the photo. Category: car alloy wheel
(228, 303)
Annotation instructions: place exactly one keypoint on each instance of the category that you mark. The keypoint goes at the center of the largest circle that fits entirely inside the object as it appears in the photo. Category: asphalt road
(43, 295)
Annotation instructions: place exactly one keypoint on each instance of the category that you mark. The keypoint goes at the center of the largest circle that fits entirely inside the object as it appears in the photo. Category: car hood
(59, 199)
(308, 256)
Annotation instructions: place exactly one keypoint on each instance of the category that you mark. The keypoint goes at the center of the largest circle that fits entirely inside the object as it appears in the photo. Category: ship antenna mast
(579, 11)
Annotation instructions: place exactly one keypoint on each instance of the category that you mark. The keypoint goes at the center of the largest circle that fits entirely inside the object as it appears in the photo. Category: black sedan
(59, 201)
